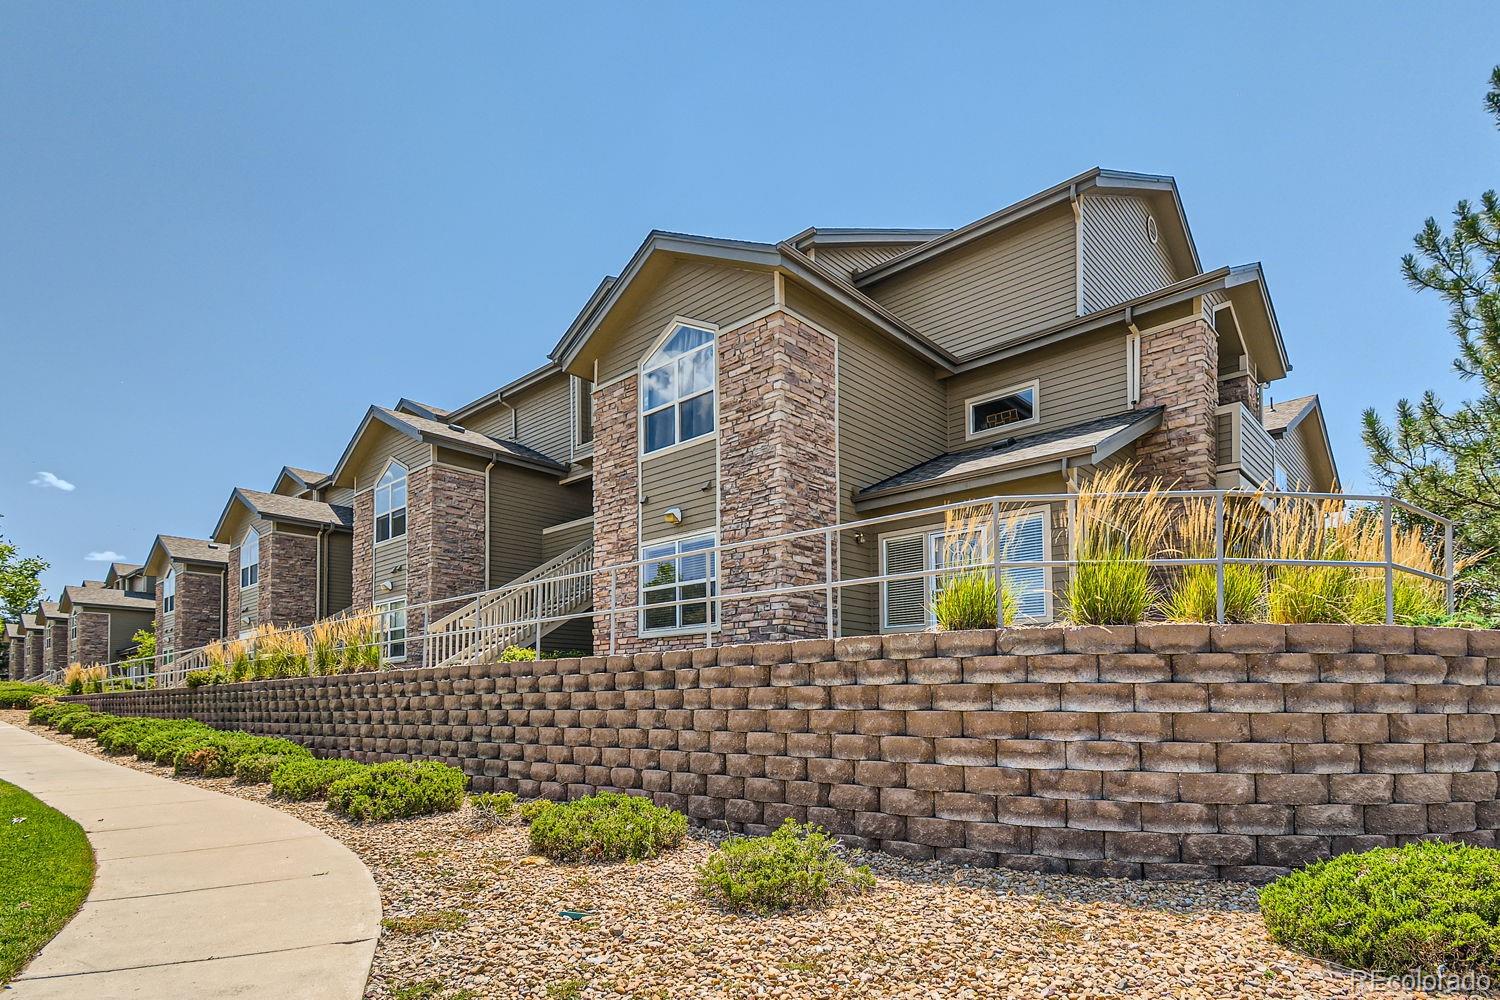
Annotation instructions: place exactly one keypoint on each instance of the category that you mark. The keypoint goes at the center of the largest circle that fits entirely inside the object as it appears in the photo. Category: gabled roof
(404, 405)
(1157, 187)
(15, 630)
(47, 611)
(103, 597)
(448, 436)
(1281, 418)
(292, 510)
(740, 253)
(118, 571)
(816, 236)
(176, 548)
(1278, 418)
(31, 622)
(1086, 443)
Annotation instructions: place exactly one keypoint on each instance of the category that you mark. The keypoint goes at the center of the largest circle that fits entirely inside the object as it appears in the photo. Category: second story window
(677, 390)
(390, 504)
(1003, 412)
(250, 559)
(169, 592)
(73, 625)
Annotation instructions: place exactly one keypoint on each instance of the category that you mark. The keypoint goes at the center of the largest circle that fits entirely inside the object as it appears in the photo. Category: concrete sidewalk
(197, 894)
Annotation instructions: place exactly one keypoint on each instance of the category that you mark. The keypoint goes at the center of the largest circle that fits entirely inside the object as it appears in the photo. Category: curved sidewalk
(197, 894)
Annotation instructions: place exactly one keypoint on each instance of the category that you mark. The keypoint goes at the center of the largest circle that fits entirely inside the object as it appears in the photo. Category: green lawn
(46, 868)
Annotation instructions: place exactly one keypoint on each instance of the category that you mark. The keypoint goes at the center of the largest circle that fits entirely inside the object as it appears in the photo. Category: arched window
(390, 504)
(677, 390)
(250, 559)
(169, 592)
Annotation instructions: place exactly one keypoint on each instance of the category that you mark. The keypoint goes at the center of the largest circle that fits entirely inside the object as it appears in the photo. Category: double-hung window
(250, 560)
(169, 592)
(392, 628)
(906, 603)
(73, 625)
(677, 390)
(678, 584)
(390, 504)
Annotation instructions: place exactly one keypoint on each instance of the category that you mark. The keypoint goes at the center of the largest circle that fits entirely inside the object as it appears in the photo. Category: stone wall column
(445, 545)
(288, 579)
(777, 442)
(35, 667)
(364, 549)
(1179, 372)
(59, 632)
(93, 637)
(198, 618)
(616, 511)
(234, 596)
(1241, 388)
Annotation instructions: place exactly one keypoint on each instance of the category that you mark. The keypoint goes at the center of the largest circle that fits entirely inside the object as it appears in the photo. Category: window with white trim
(169, 592)
(250, 560)
(390, 504)
(392, 629)
(677, 390)
(906, 604)
(583, 411)
(1004, 411)
(73, 625)
(682, 570)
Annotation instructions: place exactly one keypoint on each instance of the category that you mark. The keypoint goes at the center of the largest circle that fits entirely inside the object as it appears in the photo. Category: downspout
(318, 573)
(487, 469)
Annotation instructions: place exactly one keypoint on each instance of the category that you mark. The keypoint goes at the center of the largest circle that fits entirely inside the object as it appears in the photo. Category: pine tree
(1448, 459)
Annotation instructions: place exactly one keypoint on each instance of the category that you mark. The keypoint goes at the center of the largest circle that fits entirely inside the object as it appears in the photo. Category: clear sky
(225, 229)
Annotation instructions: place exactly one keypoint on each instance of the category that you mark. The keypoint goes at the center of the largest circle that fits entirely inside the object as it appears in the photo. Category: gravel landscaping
(470, 914)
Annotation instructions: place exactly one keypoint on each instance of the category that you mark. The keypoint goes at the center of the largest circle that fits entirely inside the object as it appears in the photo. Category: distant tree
(144, 653)
(20, 582)
(1448, 459)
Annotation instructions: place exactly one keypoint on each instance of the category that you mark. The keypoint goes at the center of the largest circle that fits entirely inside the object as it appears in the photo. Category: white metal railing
(547, 596)
(492, 620)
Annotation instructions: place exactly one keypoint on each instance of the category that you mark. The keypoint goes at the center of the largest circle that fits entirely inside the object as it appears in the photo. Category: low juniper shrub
(398, 789)
(795, 867)
(1396, 910)
(608, 826)
(303, 778)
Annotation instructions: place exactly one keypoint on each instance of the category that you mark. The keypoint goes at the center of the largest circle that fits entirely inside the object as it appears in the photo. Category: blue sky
(227, 229)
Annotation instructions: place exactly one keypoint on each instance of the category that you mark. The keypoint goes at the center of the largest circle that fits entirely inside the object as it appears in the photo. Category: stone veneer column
(198, 619)
(288, 579)
(16, 669)
(34, 665)
(93, 637)
(234, 622)
(59, 645)
(777, 448)
(616, 510)
(1179, 371)
(364, 549)
(445, 544)
(1241, 388)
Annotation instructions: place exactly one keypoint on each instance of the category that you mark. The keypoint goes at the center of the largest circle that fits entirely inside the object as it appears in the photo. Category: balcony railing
(1364, 543)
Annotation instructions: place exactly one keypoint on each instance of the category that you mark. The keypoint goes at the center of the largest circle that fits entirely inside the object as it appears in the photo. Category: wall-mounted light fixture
(859, 538)
(673, 515)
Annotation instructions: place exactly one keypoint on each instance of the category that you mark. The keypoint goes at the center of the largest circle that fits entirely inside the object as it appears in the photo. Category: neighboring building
(102, 622)
(190, 593)
(450, 504)
(1304, 458)
(130, 578)
(15, 641)
(36, 654)
(290, 558)
(54, 626)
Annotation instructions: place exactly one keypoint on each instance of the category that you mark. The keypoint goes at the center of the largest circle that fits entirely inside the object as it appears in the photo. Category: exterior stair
(480, 631)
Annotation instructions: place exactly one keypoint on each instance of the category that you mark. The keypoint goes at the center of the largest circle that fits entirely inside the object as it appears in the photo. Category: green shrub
(608, 826)
(256, 769)
(492, 808)
(1394, 910)
(529, 811)
(195, 679)
(92, 725)
(303, 778)
(124, 738)
(398, 789)
(202, 758)
(20, 694)
(67, 721)
(49, 712)
(514, 653)
(1302, 595)
(1114, 589)
(971, 600)
(797, 866)
(1194, 597)
(1462, 619)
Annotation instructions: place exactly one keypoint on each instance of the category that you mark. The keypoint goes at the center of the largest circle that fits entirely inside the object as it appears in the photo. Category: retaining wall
(1163, 751)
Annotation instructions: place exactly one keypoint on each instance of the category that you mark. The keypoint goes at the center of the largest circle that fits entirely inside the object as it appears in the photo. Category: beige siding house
(190, 593)
(102, 622)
